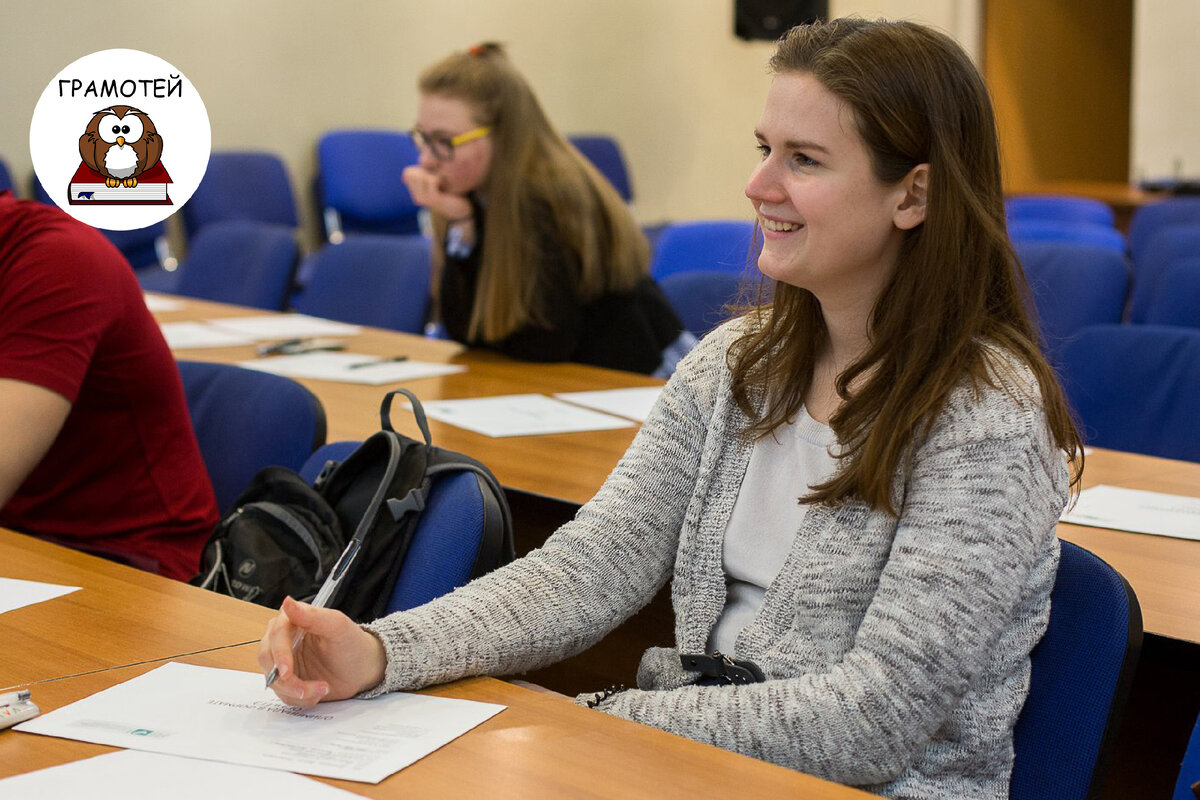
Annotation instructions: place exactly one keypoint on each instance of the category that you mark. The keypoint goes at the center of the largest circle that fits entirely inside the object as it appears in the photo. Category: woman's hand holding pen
(335, 660)
(426, 190)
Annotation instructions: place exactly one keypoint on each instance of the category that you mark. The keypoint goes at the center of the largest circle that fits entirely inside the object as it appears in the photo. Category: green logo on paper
(141, 732)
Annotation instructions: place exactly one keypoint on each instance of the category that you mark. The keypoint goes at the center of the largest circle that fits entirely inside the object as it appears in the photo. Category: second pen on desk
(377, 361)
(293, 347)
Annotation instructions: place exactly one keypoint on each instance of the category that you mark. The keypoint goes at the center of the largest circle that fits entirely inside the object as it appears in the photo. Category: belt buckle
(737, 671)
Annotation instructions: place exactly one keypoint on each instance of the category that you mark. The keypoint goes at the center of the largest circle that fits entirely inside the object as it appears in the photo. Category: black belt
(722, 668)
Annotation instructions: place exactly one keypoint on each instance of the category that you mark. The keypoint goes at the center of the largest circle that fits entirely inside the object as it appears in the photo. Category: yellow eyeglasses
(442, 147)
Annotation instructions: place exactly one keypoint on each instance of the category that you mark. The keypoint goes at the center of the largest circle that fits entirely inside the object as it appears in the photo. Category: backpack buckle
(413, 501)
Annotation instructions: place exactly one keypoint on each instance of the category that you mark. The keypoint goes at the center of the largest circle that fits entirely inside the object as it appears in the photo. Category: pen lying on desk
(295, 346)
(377, 361)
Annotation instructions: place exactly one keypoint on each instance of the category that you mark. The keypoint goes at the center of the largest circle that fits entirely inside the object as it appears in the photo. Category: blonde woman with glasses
(535, 254)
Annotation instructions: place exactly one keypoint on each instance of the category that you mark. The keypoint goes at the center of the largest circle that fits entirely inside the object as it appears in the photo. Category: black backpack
(284, 537)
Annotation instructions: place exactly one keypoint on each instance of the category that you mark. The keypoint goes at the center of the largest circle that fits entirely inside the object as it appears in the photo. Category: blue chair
(1040, 230)
(722, 245)
(5, 178)
(237, 261)
(246, 420)
(1152, 217)
(1134, 387)
(1073, 286)
(1170, 243)
(1177, 298)
(146, 249)
(369, 280)
(236, 185)
(446, 542)
(1059, 208)
(1187, 787)
(359, 187)
(605, 155)
(1081, 674)
(700, 297)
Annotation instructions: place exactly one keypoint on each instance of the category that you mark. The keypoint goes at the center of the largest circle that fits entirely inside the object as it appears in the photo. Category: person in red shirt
(96, 448)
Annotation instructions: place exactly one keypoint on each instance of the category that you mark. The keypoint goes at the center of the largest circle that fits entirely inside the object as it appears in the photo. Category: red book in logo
(88, 188)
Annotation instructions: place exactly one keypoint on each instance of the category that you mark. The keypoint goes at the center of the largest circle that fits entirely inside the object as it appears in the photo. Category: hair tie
(477, 49)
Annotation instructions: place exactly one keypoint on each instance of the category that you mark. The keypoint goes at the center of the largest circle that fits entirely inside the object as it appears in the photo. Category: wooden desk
(540, 746)
(120, 616)
(567, 466)
(1163, 571)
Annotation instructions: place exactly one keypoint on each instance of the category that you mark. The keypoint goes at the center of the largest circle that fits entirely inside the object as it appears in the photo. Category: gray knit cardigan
(896, 651)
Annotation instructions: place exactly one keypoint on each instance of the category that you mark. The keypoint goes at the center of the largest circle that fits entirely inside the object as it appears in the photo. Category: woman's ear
(911, 211)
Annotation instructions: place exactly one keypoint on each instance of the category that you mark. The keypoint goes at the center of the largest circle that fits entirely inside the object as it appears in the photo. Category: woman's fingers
(295, 692)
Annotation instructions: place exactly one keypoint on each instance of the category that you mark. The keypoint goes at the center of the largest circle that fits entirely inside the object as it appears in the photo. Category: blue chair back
(699, 297)
(370, 280)
(1189, 770)
(144, 248)
(1134, 388)
(446, 542)
(241, 185)
(359, 185)
(238, 261)
(1059, 208)
(1169, 244)
(1152, 217)
(1073, 286)
(1081, 674)
(5, 178)
(721, 245)
(605, 155)
(246, 420)
(1041, 230)
(1177, 298)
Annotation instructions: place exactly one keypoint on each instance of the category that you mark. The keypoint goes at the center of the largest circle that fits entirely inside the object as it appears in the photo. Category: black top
(620, 330)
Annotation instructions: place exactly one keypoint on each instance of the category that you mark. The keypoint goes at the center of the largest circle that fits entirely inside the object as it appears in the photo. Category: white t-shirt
(766, 516)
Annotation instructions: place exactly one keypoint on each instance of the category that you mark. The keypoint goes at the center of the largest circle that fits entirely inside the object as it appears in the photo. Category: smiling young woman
(857, 599)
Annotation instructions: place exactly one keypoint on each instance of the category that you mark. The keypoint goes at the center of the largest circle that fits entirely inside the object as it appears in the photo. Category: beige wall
(1165, 129)
(666, 77)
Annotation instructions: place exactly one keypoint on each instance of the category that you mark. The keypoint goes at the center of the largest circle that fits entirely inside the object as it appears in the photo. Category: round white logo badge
(120, 139)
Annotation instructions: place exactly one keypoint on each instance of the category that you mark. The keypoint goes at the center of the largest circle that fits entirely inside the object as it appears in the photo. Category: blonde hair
(958, 288)
(533, 171)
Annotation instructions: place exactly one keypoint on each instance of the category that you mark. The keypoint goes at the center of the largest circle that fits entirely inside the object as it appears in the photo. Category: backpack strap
(385, 413)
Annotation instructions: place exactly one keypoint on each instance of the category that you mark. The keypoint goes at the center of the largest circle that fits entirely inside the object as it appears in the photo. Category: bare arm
(30, 417)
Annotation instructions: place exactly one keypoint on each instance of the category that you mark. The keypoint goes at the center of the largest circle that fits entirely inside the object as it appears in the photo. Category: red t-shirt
(124, 478)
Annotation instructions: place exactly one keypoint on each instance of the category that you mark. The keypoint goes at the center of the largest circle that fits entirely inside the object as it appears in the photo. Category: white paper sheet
(284, 326)
(158, 302)
(351, 368)
(129, 774)
(16, 594)
(191, 335)
(227, 715)
(634, 403)
(1137, 511)
(520, 415)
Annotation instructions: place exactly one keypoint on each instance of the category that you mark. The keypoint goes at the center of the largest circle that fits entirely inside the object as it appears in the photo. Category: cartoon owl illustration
(120, 143)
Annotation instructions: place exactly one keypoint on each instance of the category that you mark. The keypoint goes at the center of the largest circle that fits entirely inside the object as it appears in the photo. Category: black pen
(391, 360)
(296, 346)
(277, 347)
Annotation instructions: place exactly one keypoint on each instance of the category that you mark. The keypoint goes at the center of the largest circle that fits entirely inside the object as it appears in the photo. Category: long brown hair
(957, 288)
(533, 170)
